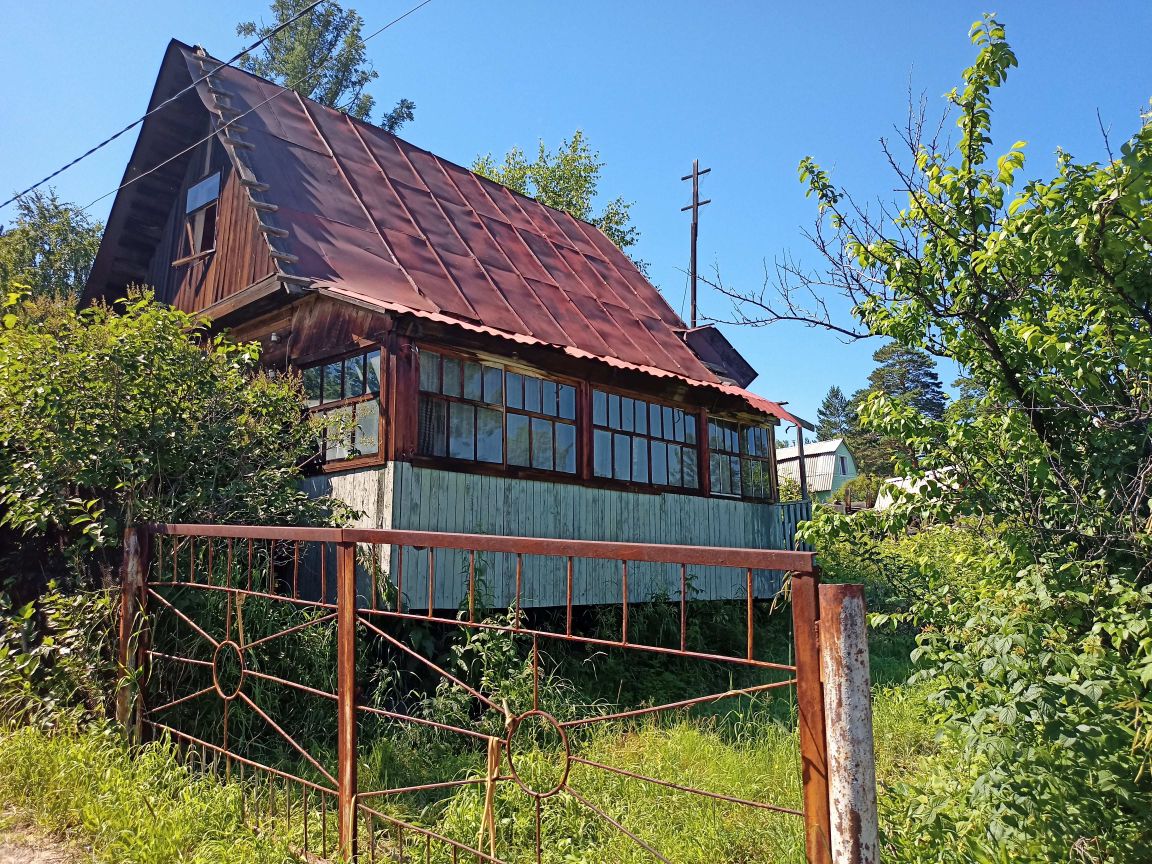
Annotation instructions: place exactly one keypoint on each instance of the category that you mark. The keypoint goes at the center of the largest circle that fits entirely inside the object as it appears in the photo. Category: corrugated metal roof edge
(757, 403)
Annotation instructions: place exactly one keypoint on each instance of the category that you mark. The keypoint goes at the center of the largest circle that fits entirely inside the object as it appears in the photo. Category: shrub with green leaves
(1036, 639)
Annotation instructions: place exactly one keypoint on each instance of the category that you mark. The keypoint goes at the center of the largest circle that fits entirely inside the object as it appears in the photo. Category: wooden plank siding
(241, 257)
(400, 495)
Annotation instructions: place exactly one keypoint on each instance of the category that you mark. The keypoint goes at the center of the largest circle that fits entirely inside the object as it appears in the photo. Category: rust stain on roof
(377, 220)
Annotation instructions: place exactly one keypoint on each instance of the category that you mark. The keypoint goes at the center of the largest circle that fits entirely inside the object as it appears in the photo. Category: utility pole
(695, 208)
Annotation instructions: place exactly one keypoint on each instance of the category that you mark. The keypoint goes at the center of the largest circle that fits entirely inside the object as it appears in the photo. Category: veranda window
(740, 459)
(347, 393)
(481, 412)
(643, 442)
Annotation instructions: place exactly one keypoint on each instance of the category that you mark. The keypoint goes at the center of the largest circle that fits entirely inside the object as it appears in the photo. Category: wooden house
(503, 368)
(828, 466)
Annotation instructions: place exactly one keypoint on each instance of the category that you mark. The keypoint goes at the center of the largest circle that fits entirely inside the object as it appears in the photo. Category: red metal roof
(374, 219)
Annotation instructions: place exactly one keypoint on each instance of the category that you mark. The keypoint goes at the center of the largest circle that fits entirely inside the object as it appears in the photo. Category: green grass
(139, 806)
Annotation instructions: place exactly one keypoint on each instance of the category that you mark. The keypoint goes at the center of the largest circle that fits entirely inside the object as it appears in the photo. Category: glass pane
(602, 453)
(518, 440)
(541, 443)
(678, 425)
(461, 431)
(472, 381)
(493, 385)
(531, 393)
(715, 436)
(599, 407)
(204, 192)
(668, 428)
(675, 478)
(691, 475)
(338, 433)
(311, 380)
(659, 463)
(654, 425)
(452, 376)
(566, 448)
(514, 390)
(640, 460)
(354, 376)
(331, 382)
(433, 427)
(367, 439)
(690, 428)
(613, 411)
(548, 398)
(734, 474)
(622, 456)
(373, 367)
(719, 477)
(567, 402)
(627, 414)
(749, 440)
(489, 435)
(641, 416)
(429, 372)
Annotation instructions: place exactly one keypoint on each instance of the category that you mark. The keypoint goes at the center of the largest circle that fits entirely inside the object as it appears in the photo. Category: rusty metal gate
(264, 653)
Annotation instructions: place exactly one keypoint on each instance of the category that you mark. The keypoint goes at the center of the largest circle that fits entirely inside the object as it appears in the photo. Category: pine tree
(910, 375)
(834, 418)
(903, 373)
(321, 57)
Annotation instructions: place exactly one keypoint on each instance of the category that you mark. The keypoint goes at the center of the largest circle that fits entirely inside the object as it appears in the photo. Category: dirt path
(20, 844)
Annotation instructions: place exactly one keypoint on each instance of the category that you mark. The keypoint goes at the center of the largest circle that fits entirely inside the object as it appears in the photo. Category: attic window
(200, 215)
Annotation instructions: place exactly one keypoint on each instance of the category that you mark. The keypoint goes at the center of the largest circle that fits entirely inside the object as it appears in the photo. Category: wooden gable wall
(241, 255)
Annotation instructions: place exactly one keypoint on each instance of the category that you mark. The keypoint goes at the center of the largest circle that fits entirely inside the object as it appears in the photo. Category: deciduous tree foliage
(567, 179)
(1039, 644)
(322, 57)
(49, 249)
(139, 414)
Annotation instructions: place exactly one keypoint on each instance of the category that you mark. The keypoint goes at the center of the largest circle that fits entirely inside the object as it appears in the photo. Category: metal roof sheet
(371, 217)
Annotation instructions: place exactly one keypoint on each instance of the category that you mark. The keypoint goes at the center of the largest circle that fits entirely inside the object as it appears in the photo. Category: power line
(292, 86)
(165, 103)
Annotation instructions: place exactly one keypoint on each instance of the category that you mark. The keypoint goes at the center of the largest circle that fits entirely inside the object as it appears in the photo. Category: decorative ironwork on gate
(266, 654)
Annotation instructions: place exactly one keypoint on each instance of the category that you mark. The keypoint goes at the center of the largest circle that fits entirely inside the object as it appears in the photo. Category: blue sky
(747, 87)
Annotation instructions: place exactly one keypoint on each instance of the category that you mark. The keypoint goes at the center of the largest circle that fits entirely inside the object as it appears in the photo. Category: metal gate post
(133, 579)
(810, 718)
(346, 696)
(848, 709)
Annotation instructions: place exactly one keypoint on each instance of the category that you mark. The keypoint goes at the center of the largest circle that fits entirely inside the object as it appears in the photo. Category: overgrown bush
(110, 416)
(1036, 640)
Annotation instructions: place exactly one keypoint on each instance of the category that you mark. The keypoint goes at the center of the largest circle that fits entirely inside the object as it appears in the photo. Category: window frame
(506, 366)
(323, 407)
(193, 232)
(643, 485)
(742, 456)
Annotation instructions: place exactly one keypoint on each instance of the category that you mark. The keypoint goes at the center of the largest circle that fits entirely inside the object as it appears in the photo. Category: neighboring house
(828, 465)
(504, 368)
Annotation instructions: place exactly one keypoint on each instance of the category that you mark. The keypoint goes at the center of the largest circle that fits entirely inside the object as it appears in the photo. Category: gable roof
(819, 464)
(362, 215)
(814, 449)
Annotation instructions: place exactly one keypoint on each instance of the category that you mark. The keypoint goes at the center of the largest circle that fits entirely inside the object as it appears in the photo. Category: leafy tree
(322, 57)
(49, 249)
(834, 416)
(1037, 642)
(568, 180)
(111, 417)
